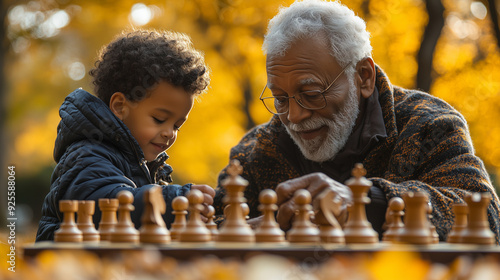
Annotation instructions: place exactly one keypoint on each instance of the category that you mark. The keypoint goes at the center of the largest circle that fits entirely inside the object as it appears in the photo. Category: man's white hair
(346, 32)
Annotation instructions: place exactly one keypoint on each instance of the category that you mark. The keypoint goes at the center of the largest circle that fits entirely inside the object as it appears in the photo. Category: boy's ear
(119, 105)
(366, 76)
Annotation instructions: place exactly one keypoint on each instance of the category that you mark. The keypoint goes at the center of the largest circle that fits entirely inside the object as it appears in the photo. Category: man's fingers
(285, 190)
(207, 199)
(206, 189)
(314, 183)
(205, 210)
(285, 215)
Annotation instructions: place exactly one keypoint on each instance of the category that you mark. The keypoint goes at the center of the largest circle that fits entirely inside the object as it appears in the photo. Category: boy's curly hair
(135, 62)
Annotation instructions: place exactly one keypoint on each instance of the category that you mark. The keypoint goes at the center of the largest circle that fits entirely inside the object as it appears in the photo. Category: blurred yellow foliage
(396, 265)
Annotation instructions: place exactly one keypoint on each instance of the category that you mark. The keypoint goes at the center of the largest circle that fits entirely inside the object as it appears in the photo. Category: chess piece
(395, 213)
(153, 228)
(416, 229)
(179, 205)
(86, 209)
(460, 210)
(327, 207)
(269, 230)
(303, 230)
(68, 231)
(245, 210)
(108, 221)
(478, 229)
(124, 229)
(211, 225)
(195, 230)
(432, 227)
(357, 228)
(235, 228)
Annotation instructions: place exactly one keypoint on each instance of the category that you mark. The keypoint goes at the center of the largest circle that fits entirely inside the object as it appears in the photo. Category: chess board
(444, 253)
(304, 242)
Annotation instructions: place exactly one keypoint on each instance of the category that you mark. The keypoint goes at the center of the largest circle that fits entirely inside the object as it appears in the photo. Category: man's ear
(119, 105)
(366, 76)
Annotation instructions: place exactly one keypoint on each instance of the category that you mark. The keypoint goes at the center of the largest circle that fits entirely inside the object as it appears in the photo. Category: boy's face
(155, 120)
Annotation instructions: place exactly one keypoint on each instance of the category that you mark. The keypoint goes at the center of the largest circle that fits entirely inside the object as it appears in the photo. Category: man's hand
(315, 183)
(208, 198)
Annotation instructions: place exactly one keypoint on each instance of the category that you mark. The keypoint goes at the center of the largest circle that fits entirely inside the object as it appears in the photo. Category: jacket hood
(86, 117)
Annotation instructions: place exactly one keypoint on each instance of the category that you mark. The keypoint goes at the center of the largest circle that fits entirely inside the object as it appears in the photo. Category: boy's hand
(208, 198)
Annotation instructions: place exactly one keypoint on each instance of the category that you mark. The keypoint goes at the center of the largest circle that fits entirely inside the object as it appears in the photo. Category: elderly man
(333, 107)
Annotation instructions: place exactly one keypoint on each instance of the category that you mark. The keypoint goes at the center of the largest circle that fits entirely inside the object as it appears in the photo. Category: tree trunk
(494, 19)
(248, 99)
(3, 112)
(432, 33)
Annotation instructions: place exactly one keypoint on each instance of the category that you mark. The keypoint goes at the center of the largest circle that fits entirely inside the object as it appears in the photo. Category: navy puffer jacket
(97, 157)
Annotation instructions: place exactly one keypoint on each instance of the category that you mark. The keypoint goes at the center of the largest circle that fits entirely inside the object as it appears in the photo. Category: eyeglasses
(311, 100)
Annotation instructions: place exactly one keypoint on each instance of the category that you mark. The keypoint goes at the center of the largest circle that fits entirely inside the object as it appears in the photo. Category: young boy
(145, 82)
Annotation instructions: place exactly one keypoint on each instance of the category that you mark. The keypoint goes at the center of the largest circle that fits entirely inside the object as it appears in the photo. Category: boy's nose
(167, 134)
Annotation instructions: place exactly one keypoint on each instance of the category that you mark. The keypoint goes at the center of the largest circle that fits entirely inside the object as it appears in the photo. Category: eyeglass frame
(298, 100)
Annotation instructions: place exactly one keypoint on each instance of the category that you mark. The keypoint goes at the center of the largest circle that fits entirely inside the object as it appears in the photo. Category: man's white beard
(340, 127)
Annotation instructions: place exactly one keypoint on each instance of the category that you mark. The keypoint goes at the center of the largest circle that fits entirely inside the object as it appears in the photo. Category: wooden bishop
(235, 228)
(357, 228)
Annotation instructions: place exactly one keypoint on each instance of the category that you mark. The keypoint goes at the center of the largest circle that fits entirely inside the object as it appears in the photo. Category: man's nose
(297, 113)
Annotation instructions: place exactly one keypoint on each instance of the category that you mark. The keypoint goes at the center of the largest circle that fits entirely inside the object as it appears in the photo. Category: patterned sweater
(428, 148)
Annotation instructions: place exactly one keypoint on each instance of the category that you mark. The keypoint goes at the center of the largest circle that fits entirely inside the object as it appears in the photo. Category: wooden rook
(153, 228)
(269, 230)
(357, 228)
(478, 229)
(395, 213)
(86, 209)
(460, 224)
(68, 231)
(417, 228)
(124, 229)
(303, 230)
(211, 225)
(195, 230)
(235, 228)
(327, 207)
(108, 207)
